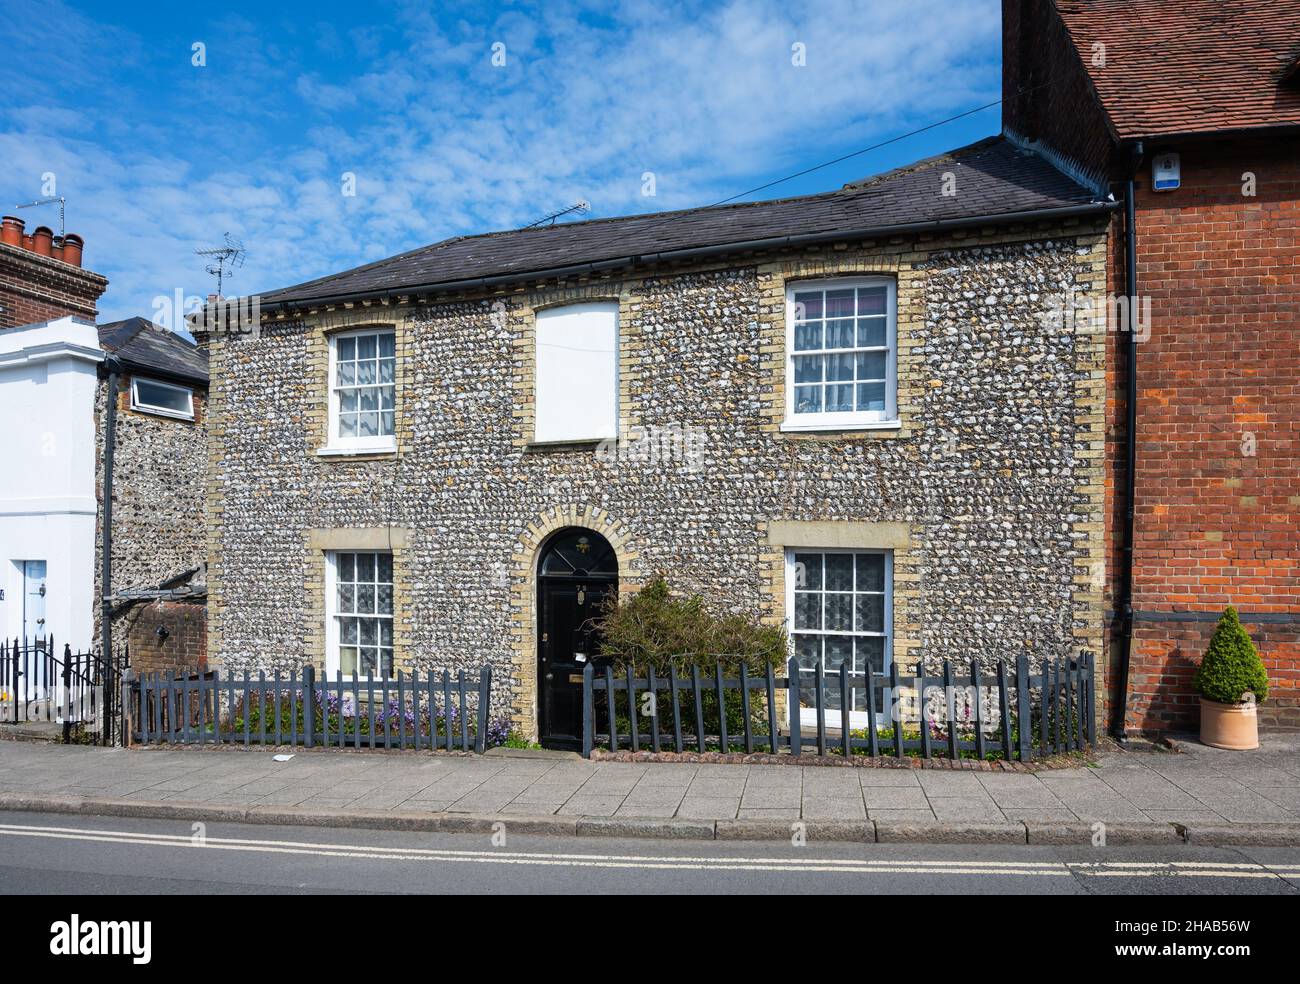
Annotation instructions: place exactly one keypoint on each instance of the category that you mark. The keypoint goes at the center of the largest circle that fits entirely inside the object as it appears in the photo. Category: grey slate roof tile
(994, 178)
(141, 344)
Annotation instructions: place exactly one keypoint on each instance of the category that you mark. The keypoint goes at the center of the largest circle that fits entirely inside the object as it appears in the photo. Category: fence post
(1092, 700)
(1024, 720)
(796, 729)
(633, 723)
(589, 711)
(66, 695)
(484, 698)
(309, 706)
(127, 709)
(950, 709)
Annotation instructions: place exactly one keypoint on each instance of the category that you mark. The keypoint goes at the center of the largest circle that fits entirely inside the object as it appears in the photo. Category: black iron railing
(964, 712)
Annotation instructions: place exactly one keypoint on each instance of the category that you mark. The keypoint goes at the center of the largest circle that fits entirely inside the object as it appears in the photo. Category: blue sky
(158, 157)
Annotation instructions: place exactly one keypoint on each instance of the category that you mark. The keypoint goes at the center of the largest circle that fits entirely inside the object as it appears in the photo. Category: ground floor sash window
(360, 596)
(839, 605)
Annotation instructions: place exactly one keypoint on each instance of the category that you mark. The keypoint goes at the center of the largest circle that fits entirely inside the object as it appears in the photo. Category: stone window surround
(777, 279)
(320, 330)
(793, 423)
(782, 535)
(321, 541)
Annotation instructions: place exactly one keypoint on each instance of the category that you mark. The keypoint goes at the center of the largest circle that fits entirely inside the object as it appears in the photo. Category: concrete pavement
(1165, 794)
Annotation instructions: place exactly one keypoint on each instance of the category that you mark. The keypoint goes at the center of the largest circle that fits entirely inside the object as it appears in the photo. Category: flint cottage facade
(449, 457)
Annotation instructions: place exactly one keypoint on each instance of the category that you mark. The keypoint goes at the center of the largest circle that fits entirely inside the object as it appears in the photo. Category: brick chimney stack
(41, 277)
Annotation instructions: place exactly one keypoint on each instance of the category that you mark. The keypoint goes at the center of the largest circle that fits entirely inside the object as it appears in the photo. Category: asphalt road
(47, 853)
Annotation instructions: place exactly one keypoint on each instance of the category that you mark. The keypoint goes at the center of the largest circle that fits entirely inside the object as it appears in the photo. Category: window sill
(383, 450)
(586, 444)
(158, 412)
(813, 428)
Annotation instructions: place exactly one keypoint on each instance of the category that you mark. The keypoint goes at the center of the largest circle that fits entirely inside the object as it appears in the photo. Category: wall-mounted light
(162, 633)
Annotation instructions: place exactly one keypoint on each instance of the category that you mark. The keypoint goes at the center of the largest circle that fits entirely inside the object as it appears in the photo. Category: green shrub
(655, 629)
(1231, 667)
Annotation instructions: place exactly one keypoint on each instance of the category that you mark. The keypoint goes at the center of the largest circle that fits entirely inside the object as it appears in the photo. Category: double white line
(857, 866)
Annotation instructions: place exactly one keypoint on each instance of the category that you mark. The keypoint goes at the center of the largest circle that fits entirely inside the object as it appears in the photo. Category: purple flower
(497, 732)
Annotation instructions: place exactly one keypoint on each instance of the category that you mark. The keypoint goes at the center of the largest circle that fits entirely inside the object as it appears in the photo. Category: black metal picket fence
(420, 711)
(964, 712)
(38, 683)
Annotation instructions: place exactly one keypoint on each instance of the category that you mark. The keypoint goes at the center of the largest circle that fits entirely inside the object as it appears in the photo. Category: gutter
(695, 252)
(1119, 727)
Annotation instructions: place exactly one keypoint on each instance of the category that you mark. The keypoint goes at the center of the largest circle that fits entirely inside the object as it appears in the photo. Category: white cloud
(161, 159)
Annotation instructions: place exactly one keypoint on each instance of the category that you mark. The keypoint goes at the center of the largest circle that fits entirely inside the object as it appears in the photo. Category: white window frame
(332, 657)
(886, 419)
(594, 428)
(857, 719)
(142, 407)
(357, 445)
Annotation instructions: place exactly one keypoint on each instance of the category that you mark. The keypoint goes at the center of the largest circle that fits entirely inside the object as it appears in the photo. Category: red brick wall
(184, 649)
(1219, 377)
(37, 288)
(1046, 92)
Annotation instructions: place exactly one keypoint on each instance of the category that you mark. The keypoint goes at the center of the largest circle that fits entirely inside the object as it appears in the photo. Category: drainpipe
(106, 533)
(1130, 450)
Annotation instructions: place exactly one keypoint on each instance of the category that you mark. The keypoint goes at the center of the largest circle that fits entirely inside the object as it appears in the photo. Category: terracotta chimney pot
(72, 244)
(11, 233)
(42, 240)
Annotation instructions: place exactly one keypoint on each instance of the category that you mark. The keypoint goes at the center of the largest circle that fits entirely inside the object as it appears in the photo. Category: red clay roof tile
(1190, 66)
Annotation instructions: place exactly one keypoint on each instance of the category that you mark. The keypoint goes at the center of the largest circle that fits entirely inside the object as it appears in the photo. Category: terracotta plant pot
(1233, 726)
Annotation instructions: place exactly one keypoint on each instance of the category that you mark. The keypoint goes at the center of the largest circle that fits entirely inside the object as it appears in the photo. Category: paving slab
(965, 808)
(895, 797)
(834, 808)
(711, 807)
(1196, 788)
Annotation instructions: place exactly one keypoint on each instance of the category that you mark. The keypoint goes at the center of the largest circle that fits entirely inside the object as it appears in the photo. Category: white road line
(187, 840)
(653, 862)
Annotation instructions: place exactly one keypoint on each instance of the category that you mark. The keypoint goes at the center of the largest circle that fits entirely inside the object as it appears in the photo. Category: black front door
(568, 609)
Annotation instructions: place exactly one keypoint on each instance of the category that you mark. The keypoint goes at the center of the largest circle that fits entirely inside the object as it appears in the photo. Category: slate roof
(995, 180)
(1190, 66)
(141, 344)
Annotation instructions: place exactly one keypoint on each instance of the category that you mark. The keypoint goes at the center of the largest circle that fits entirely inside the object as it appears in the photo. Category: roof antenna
(577, 208)
(231, 256)
(50, 201)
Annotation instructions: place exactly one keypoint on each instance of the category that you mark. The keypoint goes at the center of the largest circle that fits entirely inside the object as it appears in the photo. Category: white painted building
(47, 480)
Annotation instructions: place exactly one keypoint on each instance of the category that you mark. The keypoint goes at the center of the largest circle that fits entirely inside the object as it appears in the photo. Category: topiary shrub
(1231, 667)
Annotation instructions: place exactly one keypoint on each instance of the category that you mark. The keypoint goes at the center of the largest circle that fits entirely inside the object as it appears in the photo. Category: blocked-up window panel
(577, 373)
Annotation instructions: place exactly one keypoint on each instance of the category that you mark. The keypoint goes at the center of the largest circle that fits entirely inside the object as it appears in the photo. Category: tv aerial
(577, 208)
(50, 201)
(228, 259)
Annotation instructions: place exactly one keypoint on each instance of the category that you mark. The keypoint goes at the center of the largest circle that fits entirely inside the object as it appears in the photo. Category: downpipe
(1120, 716)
